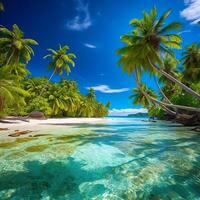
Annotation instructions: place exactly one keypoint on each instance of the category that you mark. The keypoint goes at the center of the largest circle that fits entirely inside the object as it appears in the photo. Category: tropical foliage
(149, 48)
(21, 94)
(60, 60)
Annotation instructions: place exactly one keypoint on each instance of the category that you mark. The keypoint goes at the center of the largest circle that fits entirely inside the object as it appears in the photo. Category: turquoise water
(126, 159)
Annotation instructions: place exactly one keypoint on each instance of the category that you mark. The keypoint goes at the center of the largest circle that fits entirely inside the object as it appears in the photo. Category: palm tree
(154, 111)
(191, 62)
(61, 60)
(145, 91)
(145, 46)
(147, 98)
(85, 109)
(139, 97)
(100, 110)
(70, 89)
(170, 66)
(72, 102)
(151, 98)
(69, 85)
(14, 46)
(108, 104)
(57, 99)
(10, 91)
(91, 94)
(35, 85)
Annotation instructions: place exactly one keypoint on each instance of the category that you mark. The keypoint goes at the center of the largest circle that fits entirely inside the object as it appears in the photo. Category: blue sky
(92, 29)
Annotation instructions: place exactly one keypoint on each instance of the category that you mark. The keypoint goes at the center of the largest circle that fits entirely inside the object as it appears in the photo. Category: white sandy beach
(32, 124)
(35, 126)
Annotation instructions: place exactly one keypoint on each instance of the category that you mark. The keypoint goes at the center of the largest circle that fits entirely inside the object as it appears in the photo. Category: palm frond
(170, 27)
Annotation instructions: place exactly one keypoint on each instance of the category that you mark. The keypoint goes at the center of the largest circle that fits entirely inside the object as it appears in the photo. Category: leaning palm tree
(145, 91)
(15, 47)
(139, 97)
(148, 42)
(61, 60)
(147, 98)
(170, 66)
(191, 62)
(151, 98)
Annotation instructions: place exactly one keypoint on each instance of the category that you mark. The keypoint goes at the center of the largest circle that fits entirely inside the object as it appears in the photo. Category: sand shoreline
(36, 126)
(52, 121)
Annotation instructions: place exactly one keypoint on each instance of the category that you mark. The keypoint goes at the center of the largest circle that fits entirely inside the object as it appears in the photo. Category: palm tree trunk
(161, 91)
(10, 57)
(193, 109)
(148, 97)
(52, 74)
(48, 82)
(168, 110)
(188, 108)
(168, 76)
(138, 82)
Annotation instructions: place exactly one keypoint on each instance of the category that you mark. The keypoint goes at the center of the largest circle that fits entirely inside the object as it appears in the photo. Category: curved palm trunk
(188, 108)
(168, 76)
(193, 109)
(171, 112)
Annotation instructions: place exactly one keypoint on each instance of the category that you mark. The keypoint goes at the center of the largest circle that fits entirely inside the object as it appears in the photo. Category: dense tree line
(20, 94)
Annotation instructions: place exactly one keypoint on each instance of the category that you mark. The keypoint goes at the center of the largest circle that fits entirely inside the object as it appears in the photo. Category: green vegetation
(148, 48)
(60, 60)
(21, 94)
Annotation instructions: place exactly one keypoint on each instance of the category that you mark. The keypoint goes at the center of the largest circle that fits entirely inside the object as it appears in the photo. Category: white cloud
(192, 11)
(90, 45)
(127, 111)
(185, 31)
(82, 20)
(107, 89)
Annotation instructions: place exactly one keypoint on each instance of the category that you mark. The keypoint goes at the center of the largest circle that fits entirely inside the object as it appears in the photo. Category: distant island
(138, 115)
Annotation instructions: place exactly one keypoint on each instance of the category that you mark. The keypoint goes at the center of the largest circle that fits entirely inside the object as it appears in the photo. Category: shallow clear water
(125, 159)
